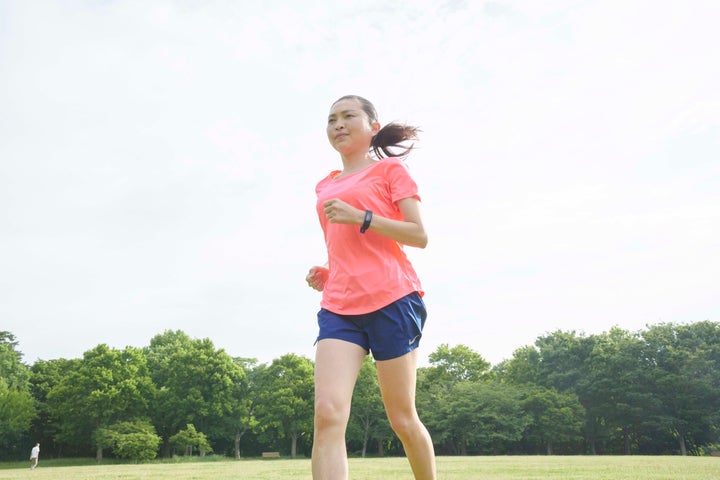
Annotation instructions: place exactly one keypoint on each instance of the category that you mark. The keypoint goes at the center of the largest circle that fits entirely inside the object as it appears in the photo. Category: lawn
(449, 468)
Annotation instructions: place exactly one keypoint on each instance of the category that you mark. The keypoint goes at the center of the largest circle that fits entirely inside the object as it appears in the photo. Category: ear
(375, 127)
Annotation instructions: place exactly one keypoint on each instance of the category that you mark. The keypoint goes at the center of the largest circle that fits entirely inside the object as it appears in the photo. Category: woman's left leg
(397, 379)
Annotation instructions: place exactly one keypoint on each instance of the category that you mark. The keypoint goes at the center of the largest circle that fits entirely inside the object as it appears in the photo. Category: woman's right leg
(337, 364)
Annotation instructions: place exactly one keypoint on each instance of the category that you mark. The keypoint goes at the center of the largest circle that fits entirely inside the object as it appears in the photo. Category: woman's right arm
(317, 276)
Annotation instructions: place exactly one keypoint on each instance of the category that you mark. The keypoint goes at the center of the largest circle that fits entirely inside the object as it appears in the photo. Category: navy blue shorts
(388, 333)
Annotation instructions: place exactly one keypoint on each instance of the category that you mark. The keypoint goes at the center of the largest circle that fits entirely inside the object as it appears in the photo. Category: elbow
(421, 242)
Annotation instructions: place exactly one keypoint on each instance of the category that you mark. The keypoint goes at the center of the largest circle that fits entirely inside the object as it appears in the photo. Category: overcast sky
(158, 163)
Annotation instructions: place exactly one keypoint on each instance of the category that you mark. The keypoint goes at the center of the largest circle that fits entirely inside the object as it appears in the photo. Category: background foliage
(656, 391)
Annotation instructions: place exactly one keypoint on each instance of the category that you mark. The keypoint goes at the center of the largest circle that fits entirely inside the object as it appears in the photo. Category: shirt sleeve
(401, 183)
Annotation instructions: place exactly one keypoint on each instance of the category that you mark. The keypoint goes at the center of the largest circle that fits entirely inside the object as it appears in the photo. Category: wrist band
(366, 222)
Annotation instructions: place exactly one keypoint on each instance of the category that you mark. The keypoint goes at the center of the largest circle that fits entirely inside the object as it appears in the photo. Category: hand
(316, 277)
(338, 211)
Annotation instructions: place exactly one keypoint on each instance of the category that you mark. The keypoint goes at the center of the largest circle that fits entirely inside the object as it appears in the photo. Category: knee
(404, 424)
(330, 414)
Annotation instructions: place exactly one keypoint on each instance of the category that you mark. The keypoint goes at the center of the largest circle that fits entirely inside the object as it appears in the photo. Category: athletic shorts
(388, 333)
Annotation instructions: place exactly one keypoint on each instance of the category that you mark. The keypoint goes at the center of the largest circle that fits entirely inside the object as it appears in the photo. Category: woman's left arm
(408, 231)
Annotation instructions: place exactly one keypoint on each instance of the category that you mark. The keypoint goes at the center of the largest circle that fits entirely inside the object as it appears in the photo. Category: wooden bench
(270, 454)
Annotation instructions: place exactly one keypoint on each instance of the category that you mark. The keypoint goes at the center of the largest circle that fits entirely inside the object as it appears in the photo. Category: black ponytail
(393, 135)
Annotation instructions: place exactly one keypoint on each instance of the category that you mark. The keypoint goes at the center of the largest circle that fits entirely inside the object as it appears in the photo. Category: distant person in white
(34, 454)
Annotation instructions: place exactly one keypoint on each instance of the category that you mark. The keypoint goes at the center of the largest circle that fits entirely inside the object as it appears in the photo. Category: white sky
(158, 163)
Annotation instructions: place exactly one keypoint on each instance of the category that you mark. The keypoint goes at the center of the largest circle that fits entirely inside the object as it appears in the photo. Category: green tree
(45, 375)
(132, 440)
(189, 439)
(522, 369)
(460, 363)
(617, 386)
(564, 367)
(243, 417)
(108, 386)
(450, 367)
(16, 403)
(686, 373)
(368, 420)
(563, 358)
(196, 384)
(12, 369)
(16, 413)
(557, 418)
(286, 398)
(482, 417)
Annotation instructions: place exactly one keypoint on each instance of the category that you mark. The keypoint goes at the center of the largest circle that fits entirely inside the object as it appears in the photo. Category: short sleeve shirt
(367, 271)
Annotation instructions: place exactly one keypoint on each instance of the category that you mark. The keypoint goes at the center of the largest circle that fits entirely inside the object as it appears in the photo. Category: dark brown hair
(391, 135)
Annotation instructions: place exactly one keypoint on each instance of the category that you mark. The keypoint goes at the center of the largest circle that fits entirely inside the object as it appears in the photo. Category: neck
(353, 163)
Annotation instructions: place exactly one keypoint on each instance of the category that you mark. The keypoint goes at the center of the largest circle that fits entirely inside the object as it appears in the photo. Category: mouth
(340, 135)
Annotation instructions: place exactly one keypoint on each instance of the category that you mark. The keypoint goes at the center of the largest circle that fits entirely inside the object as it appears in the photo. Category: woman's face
(349, 129)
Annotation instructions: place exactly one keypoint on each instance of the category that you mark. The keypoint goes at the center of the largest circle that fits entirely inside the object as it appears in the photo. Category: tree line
(656, 391)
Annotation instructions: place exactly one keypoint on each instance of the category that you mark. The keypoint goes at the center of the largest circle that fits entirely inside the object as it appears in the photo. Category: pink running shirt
(367, 271)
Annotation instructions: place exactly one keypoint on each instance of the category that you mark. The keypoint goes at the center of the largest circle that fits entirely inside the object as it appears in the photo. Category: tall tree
(243, 417)
(563, 358)
(522, 369)
(557, 418)
(286, 398)
(16, 403)
(617, 386)
(109, 386)
(12, 369)
(482, 417)
(449, 368)
(45, 375)
(196, 384)
(460, 363)
(687, 377)
(368, 420)
(564, 367)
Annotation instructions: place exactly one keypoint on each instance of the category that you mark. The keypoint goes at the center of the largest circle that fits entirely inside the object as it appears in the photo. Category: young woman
(372, 298)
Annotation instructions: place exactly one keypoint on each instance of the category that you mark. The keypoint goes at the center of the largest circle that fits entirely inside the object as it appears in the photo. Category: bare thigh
(397, 379)
(337, 364)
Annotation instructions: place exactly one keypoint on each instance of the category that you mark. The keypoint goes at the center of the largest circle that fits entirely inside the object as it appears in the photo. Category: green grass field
(449, 468)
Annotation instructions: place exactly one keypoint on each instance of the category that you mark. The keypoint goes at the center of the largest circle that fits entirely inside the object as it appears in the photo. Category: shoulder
(394, 169)
(393, 162)
(393, 166)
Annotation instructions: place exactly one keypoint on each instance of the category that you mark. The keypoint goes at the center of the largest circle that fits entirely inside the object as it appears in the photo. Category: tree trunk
(681, 438)
(451, 446)
(381, 449)
(167, 450)
(293, 445)
(549, 448)
(366, 434)
(593, 449)
(626, 438)
(238, 437)
(98, 455)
